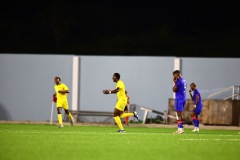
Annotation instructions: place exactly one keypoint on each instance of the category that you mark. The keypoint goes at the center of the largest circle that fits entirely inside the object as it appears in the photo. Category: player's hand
(174, 80)
(106, 91)
(195, 106)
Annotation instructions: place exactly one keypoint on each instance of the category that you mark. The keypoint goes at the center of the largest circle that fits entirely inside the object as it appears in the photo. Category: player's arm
(175, 88)
(190, 92)
(115, 91)
(65, 91)
(197, 99)
(175, 80)
(111, 91)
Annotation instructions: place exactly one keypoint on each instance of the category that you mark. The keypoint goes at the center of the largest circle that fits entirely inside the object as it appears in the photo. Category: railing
(146, 110)
(232, 93)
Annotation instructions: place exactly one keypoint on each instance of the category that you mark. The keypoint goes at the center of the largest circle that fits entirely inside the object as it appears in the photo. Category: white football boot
(196, 129)
(181, 131)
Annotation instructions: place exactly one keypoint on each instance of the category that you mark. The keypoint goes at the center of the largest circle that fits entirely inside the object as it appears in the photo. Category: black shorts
(126, 108)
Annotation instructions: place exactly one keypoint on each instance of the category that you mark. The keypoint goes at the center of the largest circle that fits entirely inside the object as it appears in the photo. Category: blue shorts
(179, 105)
(198, 110)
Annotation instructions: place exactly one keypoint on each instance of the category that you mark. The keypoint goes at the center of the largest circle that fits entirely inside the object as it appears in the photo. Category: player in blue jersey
(196, 97)
(179, 88)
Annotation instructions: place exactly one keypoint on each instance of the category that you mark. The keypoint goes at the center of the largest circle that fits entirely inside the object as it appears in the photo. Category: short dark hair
(117, 75)
(193, 84)
(176, 71)
(58, 78)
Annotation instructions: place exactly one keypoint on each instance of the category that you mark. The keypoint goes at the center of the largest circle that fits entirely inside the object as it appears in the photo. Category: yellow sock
(60, 119)
(124, 115)
(70, 116)
(119, 123)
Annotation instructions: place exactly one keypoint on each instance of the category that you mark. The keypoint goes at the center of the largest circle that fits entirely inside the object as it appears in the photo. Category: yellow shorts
(120, 105)
(63, 104)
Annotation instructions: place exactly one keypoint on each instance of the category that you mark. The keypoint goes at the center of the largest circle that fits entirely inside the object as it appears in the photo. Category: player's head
(57, 80)
(116, 77)
(176, 74)
(193, 86)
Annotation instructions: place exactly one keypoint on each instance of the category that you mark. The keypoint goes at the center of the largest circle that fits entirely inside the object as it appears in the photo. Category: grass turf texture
(27, 141)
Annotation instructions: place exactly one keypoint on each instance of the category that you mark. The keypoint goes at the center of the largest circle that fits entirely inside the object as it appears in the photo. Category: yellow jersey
(121, 93)
(61, 87)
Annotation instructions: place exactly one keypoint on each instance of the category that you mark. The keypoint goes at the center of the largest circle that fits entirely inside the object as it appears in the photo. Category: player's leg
(194, 120)
(59, 116)
(198, 112)
(175, 106)
(126, 114)
(117, 119)
(180, 122)
(179, 109)
(197, 122)
(65, 107)
(126, 111)
(69, 116)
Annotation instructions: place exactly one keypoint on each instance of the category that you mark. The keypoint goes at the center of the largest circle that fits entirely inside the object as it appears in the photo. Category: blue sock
(180, 124)
(195, 122)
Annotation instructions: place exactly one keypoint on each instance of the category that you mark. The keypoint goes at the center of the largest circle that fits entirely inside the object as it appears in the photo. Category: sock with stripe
(60, 119)
(119, 123)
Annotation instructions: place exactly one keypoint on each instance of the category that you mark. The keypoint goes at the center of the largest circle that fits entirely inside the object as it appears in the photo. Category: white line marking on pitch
(80, 132)
(210, 139)
(61, 131)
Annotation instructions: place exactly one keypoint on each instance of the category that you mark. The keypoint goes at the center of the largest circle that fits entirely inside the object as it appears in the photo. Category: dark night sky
(127, 27)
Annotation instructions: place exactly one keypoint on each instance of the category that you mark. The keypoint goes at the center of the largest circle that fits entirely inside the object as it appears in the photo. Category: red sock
(126, 120)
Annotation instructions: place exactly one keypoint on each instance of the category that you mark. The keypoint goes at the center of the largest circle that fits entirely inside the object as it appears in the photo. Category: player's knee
(115, 114)
(179, 115)
(59, 110)
(67, 112)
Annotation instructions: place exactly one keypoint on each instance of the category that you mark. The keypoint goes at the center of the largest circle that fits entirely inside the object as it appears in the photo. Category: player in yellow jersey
(121, 103)
(61, 91)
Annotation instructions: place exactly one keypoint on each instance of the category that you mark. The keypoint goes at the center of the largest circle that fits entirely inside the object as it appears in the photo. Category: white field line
(106, 133)
(209, 139)
(81, 133)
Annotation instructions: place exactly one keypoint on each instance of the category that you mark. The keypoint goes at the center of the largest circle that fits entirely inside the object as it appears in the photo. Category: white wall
(211, 74)
(26, 81)
(26, 85)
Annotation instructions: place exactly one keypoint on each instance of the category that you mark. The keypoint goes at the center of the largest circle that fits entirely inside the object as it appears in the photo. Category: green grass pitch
(45, 142)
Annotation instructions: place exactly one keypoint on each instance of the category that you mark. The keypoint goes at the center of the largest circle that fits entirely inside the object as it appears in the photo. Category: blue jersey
(196, 92)
(181, 92)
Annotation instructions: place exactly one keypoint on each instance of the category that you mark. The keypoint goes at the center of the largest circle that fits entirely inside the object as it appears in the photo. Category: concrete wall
(218, 112)
(26, 85)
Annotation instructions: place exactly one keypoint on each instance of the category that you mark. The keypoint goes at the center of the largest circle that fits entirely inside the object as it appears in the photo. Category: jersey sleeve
(119, 85)
(65, 87)
(197, 94)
